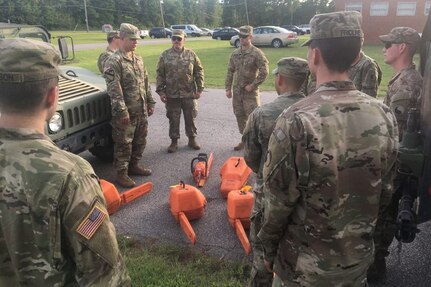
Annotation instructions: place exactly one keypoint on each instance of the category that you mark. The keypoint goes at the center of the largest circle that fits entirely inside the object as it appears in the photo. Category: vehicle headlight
(55, 124)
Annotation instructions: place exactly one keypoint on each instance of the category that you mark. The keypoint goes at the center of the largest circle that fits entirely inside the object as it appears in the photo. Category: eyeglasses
(176, 38)
(388, 45)
(243, 36)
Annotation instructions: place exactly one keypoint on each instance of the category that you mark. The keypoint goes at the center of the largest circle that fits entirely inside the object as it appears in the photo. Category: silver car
(274, 36)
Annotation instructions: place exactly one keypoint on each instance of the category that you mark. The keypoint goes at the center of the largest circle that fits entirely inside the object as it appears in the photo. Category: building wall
(375, 25)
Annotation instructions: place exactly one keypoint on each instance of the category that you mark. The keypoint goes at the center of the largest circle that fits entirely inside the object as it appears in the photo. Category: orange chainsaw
(200, 168)
(113, 198)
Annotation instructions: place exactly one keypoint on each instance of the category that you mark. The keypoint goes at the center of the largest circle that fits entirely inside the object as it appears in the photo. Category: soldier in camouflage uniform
(131, 105)
(248, 68)
(290, 75)
(54, 227)
(404, 92)
(329, 169)
(113, 39)
(365, 74)
(180, 82)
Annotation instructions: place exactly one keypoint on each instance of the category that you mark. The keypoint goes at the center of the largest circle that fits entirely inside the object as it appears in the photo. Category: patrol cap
(245, 30)
(400, 35)
(130, 31)
(335, 25)
(24, 60)
(112, 34)
(178, 33)
(292, 67)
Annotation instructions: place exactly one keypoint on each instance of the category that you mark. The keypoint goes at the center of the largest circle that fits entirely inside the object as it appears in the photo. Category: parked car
(189, 29)
(143, 34)
(274, 36)
(294, 28)
(207, 32)
(160, 32)
(225, 33)
(305, 28)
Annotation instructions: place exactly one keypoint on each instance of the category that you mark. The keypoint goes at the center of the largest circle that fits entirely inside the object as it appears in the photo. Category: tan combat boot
(239, 146)
(136, 169)
(124, 180)
(193, 144)
(173, 147)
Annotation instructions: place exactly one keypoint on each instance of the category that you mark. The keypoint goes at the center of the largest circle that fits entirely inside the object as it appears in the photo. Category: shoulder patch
(89, 225)
(108, 72)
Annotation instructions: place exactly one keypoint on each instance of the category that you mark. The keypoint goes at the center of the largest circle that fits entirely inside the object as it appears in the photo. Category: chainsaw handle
(201, 157)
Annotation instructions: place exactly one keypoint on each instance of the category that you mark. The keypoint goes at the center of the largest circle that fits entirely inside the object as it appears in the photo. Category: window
(379, 9)
(427, 8)
(406, 9)
(353, 6)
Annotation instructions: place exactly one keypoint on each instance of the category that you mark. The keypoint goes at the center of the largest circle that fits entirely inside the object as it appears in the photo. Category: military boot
(193, 144)
(377, 271)
(136, 169)
(124, 180)
(239, 146)
(173, 147)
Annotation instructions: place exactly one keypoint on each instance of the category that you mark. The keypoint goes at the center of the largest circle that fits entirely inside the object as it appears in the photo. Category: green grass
(215, 56)
(81, 37)
(154, 264)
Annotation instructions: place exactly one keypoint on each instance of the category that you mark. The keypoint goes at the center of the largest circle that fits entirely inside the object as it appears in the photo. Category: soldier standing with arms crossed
(180, 82)
(54, 227)
(290, 75)
(131, 105)
(113, 44)
(247, 70)
(329, 168)
(404, 92)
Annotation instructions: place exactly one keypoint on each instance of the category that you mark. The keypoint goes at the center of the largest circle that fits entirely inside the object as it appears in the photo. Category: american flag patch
(91, 222)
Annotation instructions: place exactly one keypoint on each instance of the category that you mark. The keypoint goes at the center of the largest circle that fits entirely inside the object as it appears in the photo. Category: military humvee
(83, 113)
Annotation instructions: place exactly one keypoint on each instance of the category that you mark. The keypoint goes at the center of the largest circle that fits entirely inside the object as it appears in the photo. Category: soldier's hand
(150, 111)
(198, 95)
(268, 265)
(229, 94)
(163, 98)
(249, 88)
(125, 120)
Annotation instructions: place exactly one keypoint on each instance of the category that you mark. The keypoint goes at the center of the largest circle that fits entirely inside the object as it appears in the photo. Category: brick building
(380, 16)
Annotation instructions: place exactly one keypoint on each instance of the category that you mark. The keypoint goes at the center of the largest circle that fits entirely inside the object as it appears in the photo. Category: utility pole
(246, 11)
(163, 17)
(86, 16)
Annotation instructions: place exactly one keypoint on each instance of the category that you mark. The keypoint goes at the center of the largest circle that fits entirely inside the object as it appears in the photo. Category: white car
(305, 27)
(143, 34)
(274, 36)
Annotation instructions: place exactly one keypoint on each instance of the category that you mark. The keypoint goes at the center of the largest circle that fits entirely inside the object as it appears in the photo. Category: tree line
(70, 14)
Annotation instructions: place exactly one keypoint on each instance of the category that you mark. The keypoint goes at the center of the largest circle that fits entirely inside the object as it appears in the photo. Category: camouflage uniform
(245, 67)
(103, 57)
(366, 75)
(256, 136)
(54, 227)
(328, 173)
(130, 93)
(404, 93)
(179, 76)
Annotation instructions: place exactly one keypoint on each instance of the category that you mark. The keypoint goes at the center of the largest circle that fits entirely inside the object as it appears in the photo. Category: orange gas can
(239, 205)
(187, 203)
(234, 175)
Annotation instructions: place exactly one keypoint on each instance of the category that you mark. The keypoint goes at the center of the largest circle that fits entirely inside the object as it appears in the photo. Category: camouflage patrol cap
(112, 34)
(245, 30)
(292, 67)
(400, 35)
(178, 33)
(24, 60)
(130, 31)
(335, 25)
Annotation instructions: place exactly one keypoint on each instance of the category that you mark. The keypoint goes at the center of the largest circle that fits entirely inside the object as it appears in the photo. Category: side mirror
(64, 48)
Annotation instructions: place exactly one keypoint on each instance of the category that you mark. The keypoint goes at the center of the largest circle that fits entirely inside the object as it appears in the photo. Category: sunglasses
(177, 39)
(388, 45)
(243, 36)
